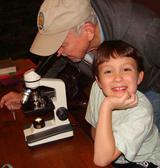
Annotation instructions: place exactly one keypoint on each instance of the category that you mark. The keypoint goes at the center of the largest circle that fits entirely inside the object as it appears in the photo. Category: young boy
(121, 117)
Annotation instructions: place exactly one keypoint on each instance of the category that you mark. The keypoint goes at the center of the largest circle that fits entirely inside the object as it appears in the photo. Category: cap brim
(45, 45)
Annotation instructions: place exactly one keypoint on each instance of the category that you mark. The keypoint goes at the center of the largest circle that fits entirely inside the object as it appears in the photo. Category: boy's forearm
(105, 149)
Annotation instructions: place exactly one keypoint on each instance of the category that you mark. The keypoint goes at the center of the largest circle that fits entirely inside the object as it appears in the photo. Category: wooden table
(73, 152)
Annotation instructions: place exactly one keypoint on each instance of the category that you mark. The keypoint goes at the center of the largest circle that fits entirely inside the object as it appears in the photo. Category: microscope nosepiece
(26, 94)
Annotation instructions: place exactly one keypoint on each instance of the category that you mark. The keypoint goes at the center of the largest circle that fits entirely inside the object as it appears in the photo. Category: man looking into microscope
(74, 29)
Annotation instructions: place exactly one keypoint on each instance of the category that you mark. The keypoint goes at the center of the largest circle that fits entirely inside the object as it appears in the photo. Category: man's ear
(140, 77)
(89, 28)
(98, 82)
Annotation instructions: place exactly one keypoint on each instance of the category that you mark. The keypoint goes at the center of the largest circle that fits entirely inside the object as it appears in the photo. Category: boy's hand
(11, 100)
(124, 102)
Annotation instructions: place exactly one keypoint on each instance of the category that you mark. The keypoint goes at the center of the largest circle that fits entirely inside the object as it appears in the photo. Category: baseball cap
(55, 19)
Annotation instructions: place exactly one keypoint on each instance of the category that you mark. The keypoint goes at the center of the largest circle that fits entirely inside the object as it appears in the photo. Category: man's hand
(11, 100)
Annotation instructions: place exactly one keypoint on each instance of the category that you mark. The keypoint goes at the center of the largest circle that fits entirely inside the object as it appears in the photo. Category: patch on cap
(40, 21)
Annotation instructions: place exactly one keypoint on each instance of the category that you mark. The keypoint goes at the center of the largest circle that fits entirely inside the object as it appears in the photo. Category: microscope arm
(59, 86)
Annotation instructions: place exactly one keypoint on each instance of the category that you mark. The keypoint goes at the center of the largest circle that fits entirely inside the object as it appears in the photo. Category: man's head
(118, 68)
(57, 21)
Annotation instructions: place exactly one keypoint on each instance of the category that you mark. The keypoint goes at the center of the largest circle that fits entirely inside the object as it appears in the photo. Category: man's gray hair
(91, 18)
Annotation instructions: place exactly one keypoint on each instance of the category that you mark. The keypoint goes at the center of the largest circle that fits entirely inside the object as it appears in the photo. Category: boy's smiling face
(119, 75)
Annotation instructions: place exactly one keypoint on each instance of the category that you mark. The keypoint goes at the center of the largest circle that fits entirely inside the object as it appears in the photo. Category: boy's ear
(140, 77)
(89, 28)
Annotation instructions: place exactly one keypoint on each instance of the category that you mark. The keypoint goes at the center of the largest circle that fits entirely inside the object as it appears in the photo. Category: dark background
(18, 25)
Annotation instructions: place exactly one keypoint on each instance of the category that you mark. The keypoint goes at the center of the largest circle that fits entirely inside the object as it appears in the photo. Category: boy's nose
(118, 77)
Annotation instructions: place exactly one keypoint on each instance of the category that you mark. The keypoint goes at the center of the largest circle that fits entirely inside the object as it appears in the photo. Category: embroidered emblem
(41, 21)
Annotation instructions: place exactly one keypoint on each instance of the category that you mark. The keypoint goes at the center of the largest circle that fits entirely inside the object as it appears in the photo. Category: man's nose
(60, 51)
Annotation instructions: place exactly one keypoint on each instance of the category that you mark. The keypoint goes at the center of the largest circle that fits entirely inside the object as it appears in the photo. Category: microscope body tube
(32, 80)
(32, 77)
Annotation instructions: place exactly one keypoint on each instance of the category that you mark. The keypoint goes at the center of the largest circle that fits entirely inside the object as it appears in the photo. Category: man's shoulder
(115, 23)
(111, 4)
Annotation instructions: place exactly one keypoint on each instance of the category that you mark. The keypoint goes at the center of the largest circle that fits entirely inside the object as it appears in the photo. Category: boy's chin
(120, 94)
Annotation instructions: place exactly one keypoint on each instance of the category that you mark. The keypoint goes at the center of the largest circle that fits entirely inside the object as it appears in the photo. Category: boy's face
(119, 75)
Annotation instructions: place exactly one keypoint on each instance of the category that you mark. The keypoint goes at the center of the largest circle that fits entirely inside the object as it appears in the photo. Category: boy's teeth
(119, 88)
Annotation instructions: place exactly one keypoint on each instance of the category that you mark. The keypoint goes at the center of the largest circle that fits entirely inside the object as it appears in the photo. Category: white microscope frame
(32, 81)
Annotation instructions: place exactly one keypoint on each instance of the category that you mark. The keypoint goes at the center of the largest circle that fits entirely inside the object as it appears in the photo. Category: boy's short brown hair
(114, 49)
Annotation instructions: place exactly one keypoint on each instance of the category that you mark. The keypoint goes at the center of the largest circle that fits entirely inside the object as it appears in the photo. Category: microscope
(45, 95)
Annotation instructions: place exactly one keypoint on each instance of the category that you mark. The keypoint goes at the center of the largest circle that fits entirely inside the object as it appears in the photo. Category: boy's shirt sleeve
(95, 100)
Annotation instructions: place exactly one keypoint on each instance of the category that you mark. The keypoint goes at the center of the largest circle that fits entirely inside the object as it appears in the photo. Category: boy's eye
(127, 69)
(107, 72)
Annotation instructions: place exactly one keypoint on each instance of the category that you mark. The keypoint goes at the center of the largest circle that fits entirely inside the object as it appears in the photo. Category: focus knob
(62, 113)
(38, 123)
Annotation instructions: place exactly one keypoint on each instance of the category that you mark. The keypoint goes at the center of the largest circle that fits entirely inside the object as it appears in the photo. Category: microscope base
(50, 134)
